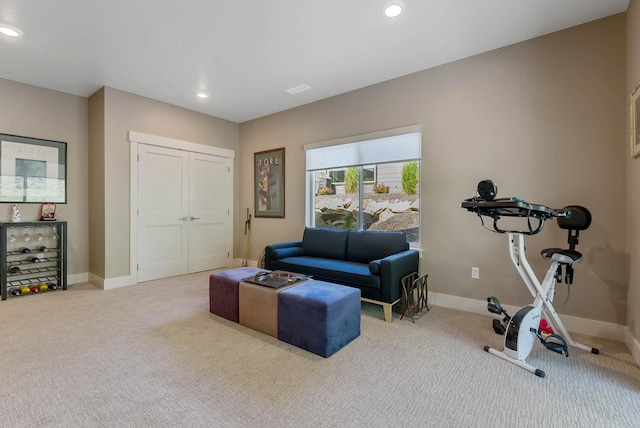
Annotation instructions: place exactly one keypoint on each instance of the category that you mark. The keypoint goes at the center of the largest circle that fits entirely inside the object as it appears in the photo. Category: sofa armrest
(392, 269)
(280, 251)
(374, 267)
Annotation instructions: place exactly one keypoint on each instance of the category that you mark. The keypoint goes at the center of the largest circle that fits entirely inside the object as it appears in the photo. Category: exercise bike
(521, 330)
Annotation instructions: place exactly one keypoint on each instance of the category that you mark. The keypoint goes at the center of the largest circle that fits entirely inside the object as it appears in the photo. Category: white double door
(183, 212)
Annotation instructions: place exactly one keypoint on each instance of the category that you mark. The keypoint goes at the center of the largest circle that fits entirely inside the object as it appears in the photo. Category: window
(368, 182)
(337, 176)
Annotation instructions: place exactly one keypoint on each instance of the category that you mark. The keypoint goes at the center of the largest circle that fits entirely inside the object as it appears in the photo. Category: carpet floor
(152, 355)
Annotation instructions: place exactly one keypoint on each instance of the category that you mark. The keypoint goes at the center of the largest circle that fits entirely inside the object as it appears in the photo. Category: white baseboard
(633, 345)
(578, 325)
(77, 278)
(108, 284)
(238, 263)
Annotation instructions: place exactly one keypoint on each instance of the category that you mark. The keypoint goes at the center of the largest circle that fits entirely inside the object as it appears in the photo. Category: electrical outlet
(475, 273)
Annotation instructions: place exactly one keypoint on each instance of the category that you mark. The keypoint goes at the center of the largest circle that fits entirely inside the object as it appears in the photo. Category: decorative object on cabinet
(269, 183)
(32, 266)
(15, 213)
(32, 170)
(48, 212)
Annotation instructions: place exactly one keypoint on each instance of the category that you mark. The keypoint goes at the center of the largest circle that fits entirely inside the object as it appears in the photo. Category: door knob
(194, 218)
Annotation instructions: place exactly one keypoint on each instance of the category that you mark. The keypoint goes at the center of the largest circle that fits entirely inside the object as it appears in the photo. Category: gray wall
(545, 119)
(121, 112)
(41, 113)
(97, 182)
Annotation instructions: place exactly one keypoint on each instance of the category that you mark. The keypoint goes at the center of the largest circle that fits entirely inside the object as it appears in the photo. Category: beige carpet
(151, 355)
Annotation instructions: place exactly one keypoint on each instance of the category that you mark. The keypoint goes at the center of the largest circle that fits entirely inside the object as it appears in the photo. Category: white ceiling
(247, 53)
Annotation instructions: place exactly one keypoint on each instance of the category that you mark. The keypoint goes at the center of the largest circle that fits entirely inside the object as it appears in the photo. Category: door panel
(208, 212)
(162, 205)
(183, 212)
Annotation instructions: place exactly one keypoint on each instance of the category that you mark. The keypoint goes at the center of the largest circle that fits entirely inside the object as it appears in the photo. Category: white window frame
(310, 190)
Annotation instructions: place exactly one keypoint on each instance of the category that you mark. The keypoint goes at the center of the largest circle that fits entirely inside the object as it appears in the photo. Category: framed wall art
(635, 122)
(32, 170)
(269, 183)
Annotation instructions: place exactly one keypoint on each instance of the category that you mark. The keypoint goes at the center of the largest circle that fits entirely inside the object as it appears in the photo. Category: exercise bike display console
(521, 330)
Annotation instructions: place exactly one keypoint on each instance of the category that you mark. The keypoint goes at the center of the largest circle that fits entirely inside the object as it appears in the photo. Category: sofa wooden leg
(387, 307)
(388, 317)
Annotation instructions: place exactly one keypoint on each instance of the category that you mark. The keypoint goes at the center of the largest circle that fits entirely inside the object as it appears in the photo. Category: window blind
(395, 148)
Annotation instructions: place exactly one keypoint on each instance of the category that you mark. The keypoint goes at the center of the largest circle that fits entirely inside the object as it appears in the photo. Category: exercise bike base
(583, 347)
(522, 364)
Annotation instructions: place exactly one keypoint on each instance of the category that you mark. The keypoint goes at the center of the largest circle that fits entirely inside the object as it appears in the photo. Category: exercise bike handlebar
(513, 207)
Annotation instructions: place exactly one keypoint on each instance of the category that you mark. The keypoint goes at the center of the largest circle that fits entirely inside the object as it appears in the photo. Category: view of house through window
(375, 196)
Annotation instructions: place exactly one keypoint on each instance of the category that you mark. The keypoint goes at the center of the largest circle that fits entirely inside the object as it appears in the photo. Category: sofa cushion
(325, 243)
(366, 246)
(339, 271)
(281, 253)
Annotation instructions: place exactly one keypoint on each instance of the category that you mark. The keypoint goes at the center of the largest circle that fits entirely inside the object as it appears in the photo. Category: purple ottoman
(223, 291)
(319, 316)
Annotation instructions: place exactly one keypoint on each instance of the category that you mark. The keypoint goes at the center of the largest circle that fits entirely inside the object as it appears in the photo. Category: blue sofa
(372, 261)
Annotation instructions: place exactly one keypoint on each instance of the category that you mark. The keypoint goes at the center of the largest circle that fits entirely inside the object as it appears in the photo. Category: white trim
(236, 263)
(96, 280)
(309, 200)
(633, 345)
(364, 137)
(154, 140)
(133, 206)
(574, 324)
(77, 278)
(111, 283)
(136, 138)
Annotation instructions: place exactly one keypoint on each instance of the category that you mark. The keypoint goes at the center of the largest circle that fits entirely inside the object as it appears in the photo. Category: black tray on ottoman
(276, 279)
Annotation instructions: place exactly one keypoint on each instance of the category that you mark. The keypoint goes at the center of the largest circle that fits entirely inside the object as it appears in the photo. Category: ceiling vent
(298, 89)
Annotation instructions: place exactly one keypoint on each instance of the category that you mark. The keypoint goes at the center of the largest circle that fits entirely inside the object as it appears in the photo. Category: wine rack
(32, 255)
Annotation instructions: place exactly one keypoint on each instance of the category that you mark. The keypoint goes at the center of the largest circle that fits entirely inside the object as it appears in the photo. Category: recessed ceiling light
(393, 8)
(298, 89)
(11, 32)
(202, 95)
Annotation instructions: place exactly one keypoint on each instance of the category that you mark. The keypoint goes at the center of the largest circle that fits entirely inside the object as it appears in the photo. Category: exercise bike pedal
(493, 305)
(556, 343)
(498, 327)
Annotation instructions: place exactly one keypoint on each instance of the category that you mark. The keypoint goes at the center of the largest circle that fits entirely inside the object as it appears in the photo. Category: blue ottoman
(319, 316)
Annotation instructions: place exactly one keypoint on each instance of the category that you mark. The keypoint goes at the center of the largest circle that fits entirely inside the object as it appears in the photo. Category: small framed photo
(48, 212)
(635, 122)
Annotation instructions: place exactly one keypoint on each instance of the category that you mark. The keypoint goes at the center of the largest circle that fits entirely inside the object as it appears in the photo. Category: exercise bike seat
(559, 255)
